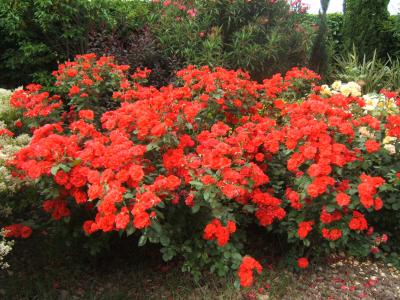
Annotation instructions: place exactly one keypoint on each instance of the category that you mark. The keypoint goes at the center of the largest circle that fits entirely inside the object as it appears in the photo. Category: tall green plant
(364, 26)
(319, 55)
(373, 74)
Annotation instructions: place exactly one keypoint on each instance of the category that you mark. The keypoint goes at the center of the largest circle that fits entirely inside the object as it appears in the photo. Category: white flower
(388, 139)
(325, 90)
(5, 248)
(336, 85)
(365, 132)
(390, 148)
(371, 102)
(351, 89)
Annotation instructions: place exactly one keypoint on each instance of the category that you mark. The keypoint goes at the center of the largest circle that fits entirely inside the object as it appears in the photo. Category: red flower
(358, 222)
(18, 123)
(372, 146)
(61, 178)
(86, 114)
(246, 269)
(302, 262)
(342, 199)
(304, 229)
(141, 220)
(332, 234)
(25, 232)
(17, 231)
(136, 172)
(215, 230)
(121, 220)
(74, 90)
(89, 227)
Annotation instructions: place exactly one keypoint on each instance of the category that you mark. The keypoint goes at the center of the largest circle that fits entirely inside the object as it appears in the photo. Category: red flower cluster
(216, 231)
(331, 234)
(246, 269)
(57, 208)
(18, 231)
(358, 222)
(304, 229)
(218, 142)
(367, 190)
(34, 102)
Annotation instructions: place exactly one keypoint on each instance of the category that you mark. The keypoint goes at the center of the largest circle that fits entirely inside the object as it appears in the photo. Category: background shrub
(363, 27)
(138, 49)
(257, 36)
(38, 34)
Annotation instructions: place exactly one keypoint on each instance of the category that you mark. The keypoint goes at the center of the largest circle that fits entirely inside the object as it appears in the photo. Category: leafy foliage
(373, 74)
(319, 56)
(364, 27)
(37, 34)
(262, 37)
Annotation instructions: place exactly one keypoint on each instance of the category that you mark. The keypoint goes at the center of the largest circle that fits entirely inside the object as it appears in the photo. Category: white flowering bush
(10, 186)
(4, 100)
(5, 249)
(8, 147)
(9, 144)
(7, 112)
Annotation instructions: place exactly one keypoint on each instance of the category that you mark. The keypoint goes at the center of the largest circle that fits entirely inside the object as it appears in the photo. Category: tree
(364, 27)
(319, 56)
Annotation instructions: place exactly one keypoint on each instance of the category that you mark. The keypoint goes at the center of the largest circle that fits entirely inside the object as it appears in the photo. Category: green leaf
(236, 256)
(54, 170)
(197, 184)
(195, 208)
(165, 241)
(156, 226)
(142, 241)
(206, 195)
(65, 168)
(168, 254)
(152, 146)
(130, 230)
(76, 162)
(330, 208)
(236, 284)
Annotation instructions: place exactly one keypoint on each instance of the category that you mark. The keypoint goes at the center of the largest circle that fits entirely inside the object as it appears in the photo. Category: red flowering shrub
(191, 166)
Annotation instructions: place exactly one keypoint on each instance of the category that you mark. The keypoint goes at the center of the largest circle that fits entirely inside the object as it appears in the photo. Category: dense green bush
(392, 28)
(37, 34)
(363, 27)
(263, 37)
